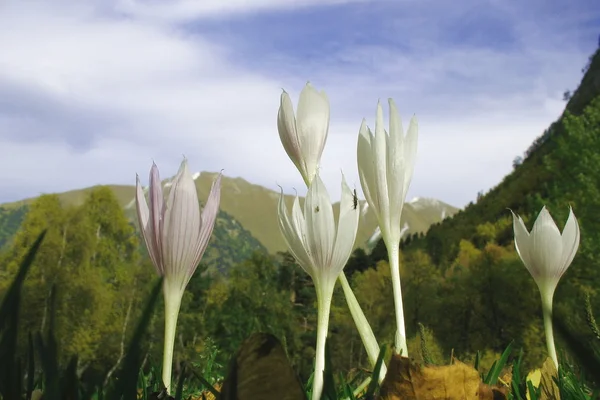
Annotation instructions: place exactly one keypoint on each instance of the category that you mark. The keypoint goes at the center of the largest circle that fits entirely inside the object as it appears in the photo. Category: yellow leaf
(406, 380)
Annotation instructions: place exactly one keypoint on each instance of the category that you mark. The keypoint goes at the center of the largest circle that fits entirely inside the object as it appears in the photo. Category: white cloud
(188, 10)
(91, 94)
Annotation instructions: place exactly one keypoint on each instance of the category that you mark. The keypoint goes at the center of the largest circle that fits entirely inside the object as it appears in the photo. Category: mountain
(254, 208)
(560, 169)
(230, 243)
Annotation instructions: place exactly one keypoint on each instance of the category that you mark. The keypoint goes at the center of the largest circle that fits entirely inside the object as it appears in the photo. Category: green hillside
(255, 208)
(542, 178)
(10, 220)
(230, 243)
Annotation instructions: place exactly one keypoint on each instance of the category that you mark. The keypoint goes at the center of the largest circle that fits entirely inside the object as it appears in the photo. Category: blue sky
(91, 92)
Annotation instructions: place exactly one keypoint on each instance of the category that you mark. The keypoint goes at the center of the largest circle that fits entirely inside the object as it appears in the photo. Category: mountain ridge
(254, 207)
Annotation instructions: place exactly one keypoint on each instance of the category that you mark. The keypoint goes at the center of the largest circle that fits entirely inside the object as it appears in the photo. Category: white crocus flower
(547, 254)
(322, 248)
(304, 135)
(176, 236)
(385, 166)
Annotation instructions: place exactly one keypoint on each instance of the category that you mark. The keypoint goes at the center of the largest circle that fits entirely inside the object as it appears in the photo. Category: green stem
(324, 307)
(394, 257)
(172, 304)
(548, 329)
(362, 325)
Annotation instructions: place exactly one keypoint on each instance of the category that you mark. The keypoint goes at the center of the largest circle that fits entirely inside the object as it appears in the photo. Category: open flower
(322, 249)
(176, 235)
(547, 254)
(304, 135)
(385, 166)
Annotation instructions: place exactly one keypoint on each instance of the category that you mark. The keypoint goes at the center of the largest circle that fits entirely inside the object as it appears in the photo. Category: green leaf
(492, 376)
(373, 386)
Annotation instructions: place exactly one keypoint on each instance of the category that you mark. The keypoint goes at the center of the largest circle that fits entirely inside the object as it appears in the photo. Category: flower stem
(362, 325)
(172, 304)
(324, 307)
(548, 329)
(394, 257)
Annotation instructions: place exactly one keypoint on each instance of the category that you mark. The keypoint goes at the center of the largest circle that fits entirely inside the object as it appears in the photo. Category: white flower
(176, 236)
(319, 246)
(304, 135)
(547, 254)
(385, 166)
(322, 249)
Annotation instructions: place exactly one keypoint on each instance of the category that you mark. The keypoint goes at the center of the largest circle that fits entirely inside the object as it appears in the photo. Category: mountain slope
(229, 245)
(255, 208)
(535, 182)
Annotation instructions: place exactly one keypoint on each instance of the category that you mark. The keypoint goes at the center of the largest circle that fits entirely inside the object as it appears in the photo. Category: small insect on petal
(355, 200)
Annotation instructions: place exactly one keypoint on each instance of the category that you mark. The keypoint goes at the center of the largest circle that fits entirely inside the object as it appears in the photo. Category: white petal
(181, 230)
(146, 228)
(522, 241)
(346, 231)
(320, 224)
(299, 222)
(157, 212)
(208, 218)
(395, 169)
(293, 237)
(366, 167)
(410, 152)
(570, 240)
(379, 155)
(312, 124)
(546, 247)
(286, 125)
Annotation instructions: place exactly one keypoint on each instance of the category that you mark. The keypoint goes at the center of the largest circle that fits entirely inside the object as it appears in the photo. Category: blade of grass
(179, 391)
(329, 391)
(49, 353)
(9, 322)
(494, 372)
(13, 294)
(126, 378)
(586, 355)
(373, 386)
(204, 382)
(69, 382)
(30, 367)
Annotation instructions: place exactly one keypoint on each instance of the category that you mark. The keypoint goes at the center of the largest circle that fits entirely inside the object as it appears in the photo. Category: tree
(518, 160)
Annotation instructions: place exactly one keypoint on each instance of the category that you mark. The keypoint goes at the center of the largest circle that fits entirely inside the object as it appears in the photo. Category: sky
(93, 91)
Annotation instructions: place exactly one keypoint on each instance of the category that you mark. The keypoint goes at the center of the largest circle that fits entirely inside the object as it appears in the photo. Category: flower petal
(395, 170)
(286, 125)
(366, 166)
(181, 227)
(546, 247)
(570, 241)
(148, 233)
(312, 124)
(522, 241)
(410, 152)
(157, 209)
(293, 233)
(379, 154)
(346, 231)
(208, 218)
(320, 224)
